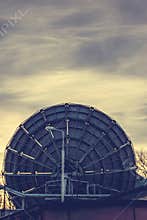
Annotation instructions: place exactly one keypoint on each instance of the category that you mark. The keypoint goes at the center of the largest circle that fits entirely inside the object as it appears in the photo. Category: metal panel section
(94, 157)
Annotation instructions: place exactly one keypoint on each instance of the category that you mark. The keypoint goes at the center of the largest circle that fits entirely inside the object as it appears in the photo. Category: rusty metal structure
(68, 153)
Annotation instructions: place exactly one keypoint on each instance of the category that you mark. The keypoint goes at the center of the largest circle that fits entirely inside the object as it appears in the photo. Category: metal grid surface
(99, 158)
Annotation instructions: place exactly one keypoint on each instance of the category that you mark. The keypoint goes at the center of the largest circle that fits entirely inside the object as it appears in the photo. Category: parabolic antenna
(70, 149)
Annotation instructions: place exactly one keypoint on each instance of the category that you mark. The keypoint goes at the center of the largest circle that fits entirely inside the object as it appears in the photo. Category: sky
(81, 51)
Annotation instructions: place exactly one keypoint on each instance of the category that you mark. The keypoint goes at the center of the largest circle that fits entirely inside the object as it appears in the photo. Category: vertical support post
(62, 168)
(67, 137)
(23, 203)
(48, 128)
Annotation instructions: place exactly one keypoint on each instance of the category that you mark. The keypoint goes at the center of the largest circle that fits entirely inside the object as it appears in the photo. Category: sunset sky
(83, 51)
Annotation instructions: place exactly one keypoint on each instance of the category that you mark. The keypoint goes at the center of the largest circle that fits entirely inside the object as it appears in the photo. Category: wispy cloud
(108, 54)
(132, 12)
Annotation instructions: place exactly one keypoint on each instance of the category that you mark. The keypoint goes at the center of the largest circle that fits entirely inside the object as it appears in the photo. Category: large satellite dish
(70, 150)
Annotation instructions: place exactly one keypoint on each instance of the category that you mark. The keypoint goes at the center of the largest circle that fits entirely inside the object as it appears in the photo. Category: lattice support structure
(68, 151)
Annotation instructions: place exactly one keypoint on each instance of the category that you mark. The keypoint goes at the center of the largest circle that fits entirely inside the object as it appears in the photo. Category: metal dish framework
(69, 151)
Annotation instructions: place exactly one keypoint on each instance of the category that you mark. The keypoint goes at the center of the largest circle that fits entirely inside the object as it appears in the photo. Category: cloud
(107, 54)
(99, 90)
(142, 109)
(90, 38)
(4, 97)
(79, 19)
(38, 3)
(2, 21)
(4, 24)
(31, 55)
(133, 11)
